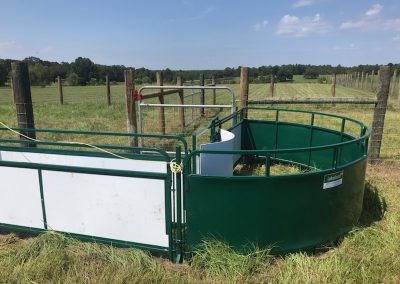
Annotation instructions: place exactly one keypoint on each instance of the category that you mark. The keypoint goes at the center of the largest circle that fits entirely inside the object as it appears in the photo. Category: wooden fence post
(60, 90)
(130, 106)
(272, 85)
(362, 79)
(393, 84)
(372, 79)
(12, 90)
(398, 96)
(179, 82)
(161, 113)
(214, 93)
(333, 87)
(244, 88)
(23, 100)
(379, 114)
(358, 80)
(108, 90)
(202, 96)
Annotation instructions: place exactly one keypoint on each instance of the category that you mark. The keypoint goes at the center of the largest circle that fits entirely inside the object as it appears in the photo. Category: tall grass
(369, 254)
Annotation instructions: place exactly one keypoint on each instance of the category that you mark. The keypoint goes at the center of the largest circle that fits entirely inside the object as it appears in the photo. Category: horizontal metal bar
(156, 95)
(98, 133)
(201, 132)
(85, 170)
(309, 112)
(101, 146)
(313, 101)
(73, 152)
(184, 87)
(114, 242)
(184, 106)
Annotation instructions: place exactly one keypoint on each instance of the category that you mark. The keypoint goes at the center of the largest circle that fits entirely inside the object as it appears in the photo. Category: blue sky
(208, 34)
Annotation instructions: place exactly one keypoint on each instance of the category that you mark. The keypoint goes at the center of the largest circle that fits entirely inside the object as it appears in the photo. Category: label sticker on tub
(333, 180)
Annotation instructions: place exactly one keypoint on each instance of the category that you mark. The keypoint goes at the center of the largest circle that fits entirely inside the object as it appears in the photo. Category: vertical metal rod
(341, 139)
(140, 123)
(276, 130)
(171, 223)
(194, 158)
(335, 155)
(311, 137)
(42, 199)
(268, 166)
(178, 179)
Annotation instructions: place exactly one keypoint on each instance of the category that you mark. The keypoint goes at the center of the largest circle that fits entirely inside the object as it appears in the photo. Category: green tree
(72, 79)
(85, 69)
(311, 73)
(3, 74)
(39, 74)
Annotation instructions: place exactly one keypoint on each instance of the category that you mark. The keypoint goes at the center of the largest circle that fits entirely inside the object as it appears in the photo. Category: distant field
(97, 94)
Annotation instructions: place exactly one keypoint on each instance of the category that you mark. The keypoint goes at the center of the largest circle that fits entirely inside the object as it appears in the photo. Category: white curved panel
(214, 164)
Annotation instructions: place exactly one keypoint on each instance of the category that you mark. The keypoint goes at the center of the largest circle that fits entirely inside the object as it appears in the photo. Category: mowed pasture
(370, 253)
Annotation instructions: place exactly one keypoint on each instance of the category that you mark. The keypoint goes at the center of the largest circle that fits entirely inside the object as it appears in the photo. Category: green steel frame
(62, 148)
(239, 208)
(345, 152)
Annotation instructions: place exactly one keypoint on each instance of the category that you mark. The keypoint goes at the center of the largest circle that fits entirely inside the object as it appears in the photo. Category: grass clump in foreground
(216, 260)
(369, 254)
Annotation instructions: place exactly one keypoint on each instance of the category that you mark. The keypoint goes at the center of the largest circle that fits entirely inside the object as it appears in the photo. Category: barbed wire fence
(381, 114)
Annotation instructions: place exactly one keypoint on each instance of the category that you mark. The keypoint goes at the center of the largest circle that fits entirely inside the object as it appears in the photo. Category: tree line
(83, 71)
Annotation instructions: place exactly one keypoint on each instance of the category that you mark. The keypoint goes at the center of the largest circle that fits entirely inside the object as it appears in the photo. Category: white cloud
(353, 24)
(302, 3)
(371, 21)
(350, 47)
(301, 27)
(374, 10)
(260, 25)
(396, 37)
(372, 24)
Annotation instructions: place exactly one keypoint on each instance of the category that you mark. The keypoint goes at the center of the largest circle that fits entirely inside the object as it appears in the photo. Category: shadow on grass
(374, 206)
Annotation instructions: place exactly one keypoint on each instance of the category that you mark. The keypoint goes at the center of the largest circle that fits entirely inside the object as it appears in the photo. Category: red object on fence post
(136, 95)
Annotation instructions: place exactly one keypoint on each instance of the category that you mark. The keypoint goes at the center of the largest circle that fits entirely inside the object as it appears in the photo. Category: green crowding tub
(283, 212)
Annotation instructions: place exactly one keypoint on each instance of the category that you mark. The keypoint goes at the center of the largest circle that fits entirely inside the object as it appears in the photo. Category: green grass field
(369, 254)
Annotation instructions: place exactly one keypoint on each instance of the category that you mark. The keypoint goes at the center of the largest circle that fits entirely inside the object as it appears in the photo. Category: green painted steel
(282, 212)
(63, 148)
(86, 238)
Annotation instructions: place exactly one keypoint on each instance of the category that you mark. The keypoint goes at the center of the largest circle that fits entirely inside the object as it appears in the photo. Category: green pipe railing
(336, 147)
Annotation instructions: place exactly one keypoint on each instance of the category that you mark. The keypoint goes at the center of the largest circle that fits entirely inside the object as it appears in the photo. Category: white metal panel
(237, 142)
(120, 208)
(81, 161)
(20, 202)
(218, 164)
